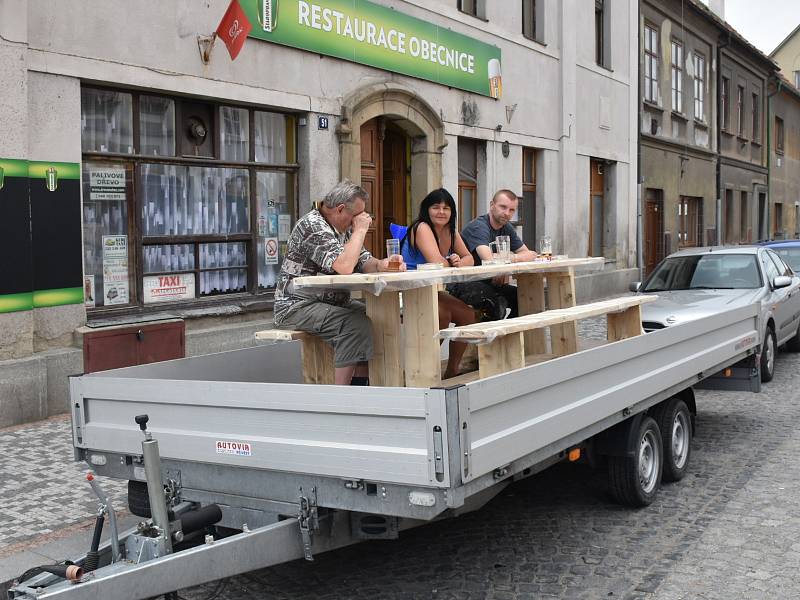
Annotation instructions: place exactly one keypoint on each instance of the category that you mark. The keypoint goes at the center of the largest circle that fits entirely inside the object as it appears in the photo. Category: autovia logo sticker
(234, 448)
(746, 342)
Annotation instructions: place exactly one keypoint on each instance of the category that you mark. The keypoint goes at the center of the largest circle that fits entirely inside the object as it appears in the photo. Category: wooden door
(653, 231)
(596, 209)
(372, 181)
(394, 180)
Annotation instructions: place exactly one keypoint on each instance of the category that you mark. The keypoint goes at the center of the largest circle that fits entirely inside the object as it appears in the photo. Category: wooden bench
(501, 344)
(317, 354)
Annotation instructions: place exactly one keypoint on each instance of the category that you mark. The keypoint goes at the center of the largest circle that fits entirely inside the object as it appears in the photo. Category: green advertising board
(374, 35)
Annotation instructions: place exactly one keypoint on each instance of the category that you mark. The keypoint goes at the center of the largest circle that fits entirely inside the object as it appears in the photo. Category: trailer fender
(619, 439)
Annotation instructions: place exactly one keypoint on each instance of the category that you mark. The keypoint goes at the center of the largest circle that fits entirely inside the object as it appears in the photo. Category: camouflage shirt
(312, 248)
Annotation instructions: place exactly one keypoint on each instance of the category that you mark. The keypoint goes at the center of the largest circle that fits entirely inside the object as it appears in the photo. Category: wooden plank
(530, 299)
(625, 324)
(561, 294)
(386, 367)
(282, 335)
(488, 331)
(421, 324)
(404, 280)
(504, 354)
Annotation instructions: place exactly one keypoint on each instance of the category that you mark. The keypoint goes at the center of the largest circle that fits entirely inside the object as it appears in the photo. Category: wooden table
(420, 351)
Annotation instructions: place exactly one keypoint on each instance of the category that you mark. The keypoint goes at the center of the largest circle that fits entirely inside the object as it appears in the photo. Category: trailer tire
(634, 478)
(138, 500)
(768, 351)
(675, 423)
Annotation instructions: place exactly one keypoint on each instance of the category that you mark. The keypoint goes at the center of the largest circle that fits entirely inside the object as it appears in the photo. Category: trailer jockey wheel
(138, 500)
(634, 478)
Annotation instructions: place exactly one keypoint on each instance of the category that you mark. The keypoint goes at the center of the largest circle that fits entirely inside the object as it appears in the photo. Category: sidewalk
(47, 508)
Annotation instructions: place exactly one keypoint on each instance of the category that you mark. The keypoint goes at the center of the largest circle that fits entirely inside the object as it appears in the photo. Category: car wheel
(675, 422)
(793, 345)
(768, 349)
(634, 479)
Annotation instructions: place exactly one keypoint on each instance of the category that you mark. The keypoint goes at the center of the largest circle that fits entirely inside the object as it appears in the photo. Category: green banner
(374, 35)
(45, 298)
(16, 302)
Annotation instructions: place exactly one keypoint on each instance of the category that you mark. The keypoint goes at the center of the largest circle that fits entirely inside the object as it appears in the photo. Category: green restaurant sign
(374, 35)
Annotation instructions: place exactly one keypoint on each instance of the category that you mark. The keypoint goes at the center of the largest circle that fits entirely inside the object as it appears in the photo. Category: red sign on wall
(233, 28)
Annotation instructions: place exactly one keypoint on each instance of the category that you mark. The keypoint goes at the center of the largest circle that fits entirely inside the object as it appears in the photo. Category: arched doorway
(385, 153)
(391, 142)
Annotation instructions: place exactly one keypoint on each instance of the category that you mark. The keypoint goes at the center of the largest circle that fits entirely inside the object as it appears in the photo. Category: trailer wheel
(138, 500)
(675, 423)
(768, 351)
(634, 478)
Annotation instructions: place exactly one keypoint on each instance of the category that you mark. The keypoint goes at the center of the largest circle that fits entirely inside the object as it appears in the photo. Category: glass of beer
(546, 247)
(393, 254)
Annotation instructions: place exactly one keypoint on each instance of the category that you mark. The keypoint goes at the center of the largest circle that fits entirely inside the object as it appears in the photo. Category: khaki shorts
(346, 328)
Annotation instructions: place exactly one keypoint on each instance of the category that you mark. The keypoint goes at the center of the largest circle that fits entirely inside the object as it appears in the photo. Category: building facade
(702, 130)
(787, 55)
(784, 150)
(678, 129)
(160, 177)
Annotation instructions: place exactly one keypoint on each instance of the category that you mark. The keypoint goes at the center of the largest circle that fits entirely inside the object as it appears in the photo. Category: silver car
(698, 282)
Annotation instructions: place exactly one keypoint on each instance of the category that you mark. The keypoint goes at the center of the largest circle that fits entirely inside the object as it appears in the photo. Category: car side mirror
(781, 281)
(634, 286)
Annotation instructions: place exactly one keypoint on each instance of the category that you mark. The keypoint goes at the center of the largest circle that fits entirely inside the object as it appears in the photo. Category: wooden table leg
(530, 299)
(385, 368)
(506, 353)
(317, 361)
(625, 324)
(561, 294)
(421, 323)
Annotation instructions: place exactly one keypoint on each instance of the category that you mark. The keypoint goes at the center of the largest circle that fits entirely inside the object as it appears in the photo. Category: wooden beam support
(386, 366)
(625, 324)
(561, 294)
(530, 299)
(505, 353)
(421, 324)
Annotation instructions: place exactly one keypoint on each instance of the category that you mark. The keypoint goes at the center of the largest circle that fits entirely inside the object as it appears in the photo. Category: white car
(697, 282)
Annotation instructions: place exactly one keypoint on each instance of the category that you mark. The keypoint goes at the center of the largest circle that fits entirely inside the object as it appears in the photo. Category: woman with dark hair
(432, 238)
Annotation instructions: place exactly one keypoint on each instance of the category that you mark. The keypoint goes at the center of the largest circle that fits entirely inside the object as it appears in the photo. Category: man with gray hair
(330, 240)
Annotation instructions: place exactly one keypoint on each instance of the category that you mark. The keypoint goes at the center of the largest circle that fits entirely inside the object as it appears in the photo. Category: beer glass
(393, 254)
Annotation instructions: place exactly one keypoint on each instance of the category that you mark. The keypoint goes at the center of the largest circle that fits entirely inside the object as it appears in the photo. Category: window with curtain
(651, 64)
(699, 86)
(676, 70)
(160, 227)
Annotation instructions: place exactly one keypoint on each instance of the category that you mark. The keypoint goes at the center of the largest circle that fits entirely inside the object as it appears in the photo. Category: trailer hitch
(309, 521)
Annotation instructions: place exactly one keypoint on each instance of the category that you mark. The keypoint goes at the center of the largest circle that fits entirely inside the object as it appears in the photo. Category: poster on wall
(271, 251)
(163, 288)
(107, 184)
(88, 291)
(115, 270)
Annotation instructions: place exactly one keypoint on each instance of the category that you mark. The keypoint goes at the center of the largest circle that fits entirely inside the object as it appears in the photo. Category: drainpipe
(639, 154)
(769, 146)
(718, 221)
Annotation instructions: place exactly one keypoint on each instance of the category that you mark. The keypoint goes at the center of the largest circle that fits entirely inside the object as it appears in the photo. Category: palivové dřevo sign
(374, 35)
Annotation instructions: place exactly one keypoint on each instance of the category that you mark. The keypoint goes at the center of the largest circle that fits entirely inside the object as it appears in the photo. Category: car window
(769, 267)
(705, 271)
(783, 268)
(790, 256)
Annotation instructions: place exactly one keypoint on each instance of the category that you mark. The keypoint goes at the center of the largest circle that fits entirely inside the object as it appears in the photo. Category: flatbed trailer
(298, 469)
